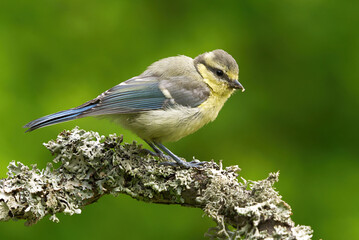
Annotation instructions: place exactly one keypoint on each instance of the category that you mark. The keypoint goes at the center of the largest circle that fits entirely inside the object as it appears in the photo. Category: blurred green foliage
(299, 63)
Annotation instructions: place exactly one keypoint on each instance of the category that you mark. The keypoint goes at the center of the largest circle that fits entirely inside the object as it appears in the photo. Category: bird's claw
(178, 162)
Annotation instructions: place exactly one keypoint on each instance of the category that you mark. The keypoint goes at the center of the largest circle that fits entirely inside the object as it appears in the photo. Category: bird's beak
(236, 85)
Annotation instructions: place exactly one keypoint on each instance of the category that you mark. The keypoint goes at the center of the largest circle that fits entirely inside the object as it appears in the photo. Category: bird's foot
(157, 147)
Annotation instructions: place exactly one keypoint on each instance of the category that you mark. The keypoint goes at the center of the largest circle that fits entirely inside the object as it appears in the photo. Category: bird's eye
(219, 73)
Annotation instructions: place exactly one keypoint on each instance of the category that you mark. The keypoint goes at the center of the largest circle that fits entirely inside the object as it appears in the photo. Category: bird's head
(219, 70)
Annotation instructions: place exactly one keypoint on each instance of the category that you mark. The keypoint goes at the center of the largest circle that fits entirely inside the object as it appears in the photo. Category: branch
(92, 166)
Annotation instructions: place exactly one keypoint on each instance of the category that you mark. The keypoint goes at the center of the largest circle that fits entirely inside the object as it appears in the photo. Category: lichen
(91, 166)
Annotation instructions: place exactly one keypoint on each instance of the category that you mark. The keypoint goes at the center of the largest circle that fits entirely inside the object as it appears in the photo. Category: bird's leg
(157, 153)
(156, 149)
(178, 162)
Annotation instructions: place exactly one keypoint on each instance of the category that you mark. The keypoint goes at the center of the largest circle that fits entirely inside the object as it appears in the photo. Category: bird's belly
(165, 125)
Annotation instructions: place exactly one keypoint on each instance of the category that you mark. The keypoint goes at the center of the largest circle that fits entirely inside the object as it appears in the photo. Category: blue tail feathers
(58, 117)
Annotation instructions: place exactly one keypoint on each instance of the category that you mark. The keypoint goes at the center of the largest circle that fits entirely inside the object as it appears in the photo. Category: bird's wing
(148, 93)
(184, 91)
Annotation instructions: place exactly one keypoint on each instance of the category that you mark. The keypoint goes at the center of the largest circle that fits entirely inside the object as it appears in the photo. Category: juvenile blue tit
(173, 98)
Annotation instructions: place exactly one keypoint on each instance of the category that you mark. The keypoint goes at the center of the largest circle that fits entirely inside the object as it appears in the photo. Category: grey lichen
(92, 166)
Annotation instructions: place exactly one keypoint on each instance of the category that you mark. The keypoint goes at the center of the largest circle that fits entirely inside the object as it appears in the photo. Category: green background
(299, 63)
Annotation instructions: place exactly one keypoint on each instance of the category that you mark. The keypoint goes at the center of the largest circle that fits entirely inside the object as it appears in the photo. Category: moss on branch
(92, 166)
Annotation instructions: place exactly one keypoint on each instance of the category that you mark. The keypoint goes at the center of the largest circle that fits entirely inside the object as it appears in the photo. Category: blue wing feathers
(130, 106)
(129, 98)
(58, 117)
(133, 96)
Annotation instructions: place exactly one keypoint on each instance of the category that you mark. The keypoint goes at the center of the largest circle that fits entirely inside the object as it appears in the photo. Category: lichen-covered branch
(92, 166)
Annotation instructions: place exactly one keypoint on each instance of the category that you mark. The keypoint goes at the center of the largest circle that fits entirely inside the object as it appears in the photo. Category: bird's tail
(58, 117)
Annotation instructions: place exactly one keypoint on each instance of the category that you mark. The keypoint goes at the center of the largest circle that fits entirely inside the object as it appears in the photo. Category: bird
(172, 98)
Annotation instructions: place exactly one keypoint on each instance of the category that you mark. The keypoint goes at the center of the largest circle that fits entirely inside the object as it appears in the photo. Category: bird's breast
(167, 125)
(172, 124)
(211, 107)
